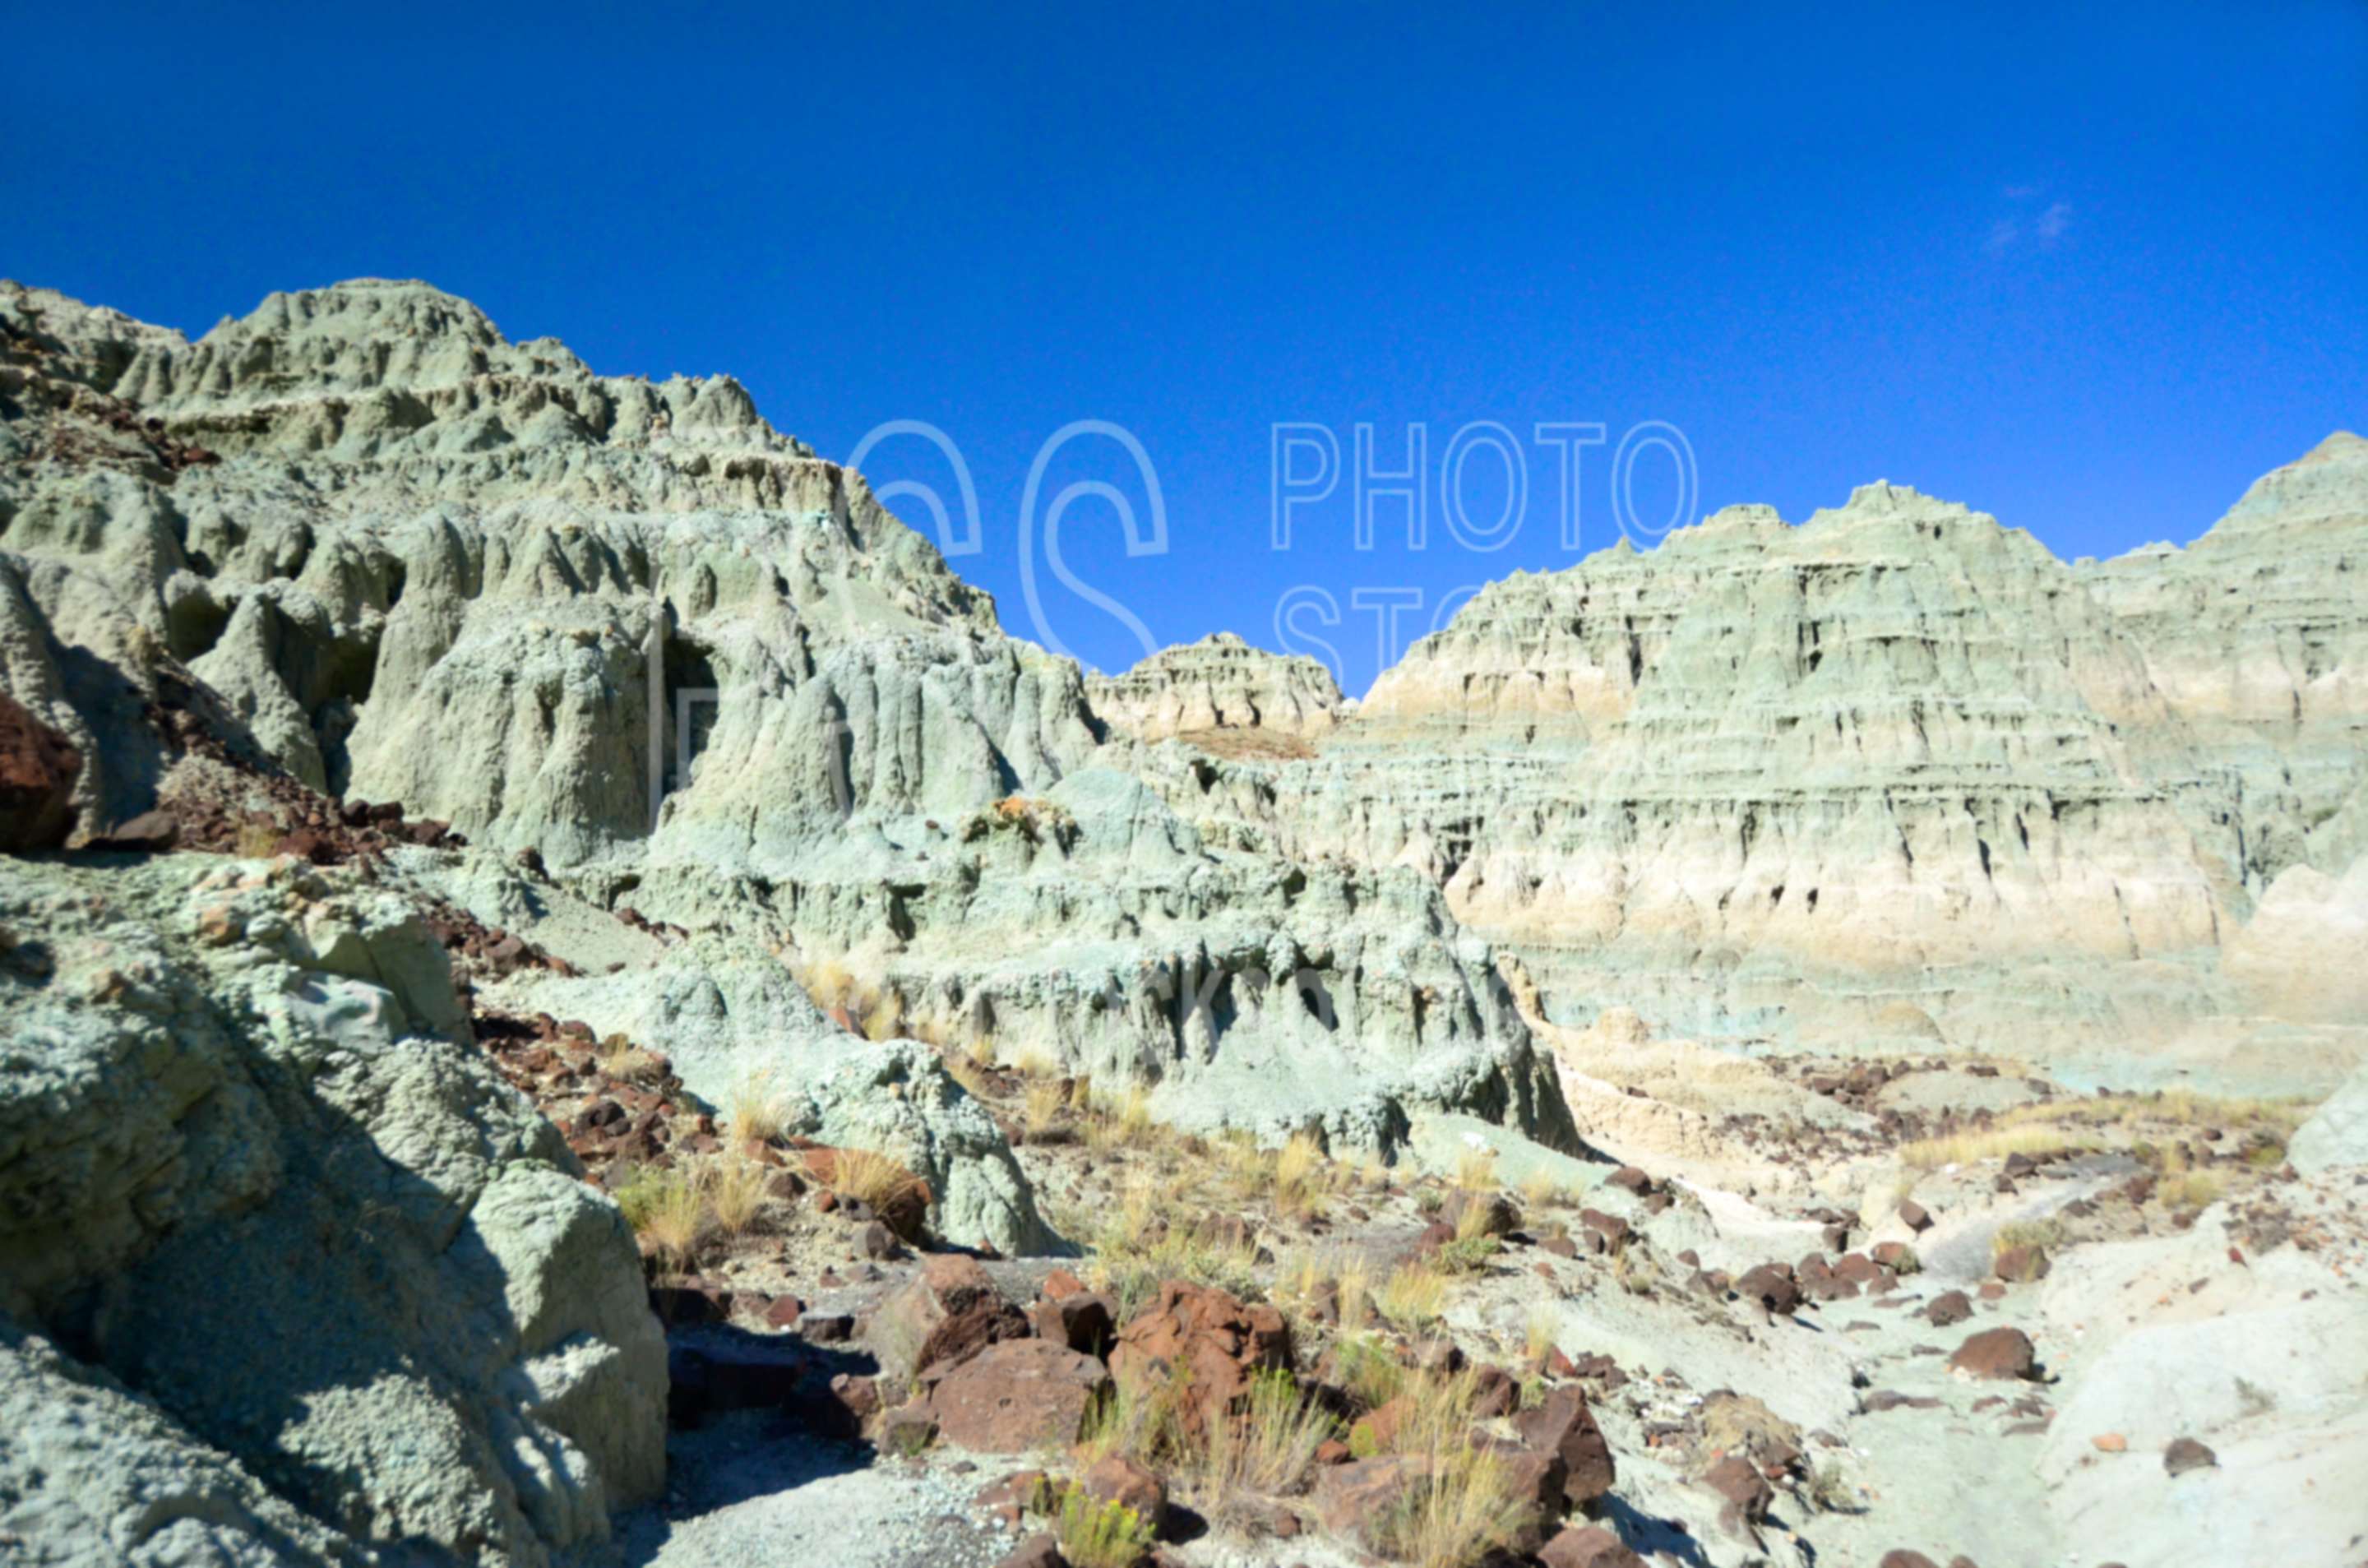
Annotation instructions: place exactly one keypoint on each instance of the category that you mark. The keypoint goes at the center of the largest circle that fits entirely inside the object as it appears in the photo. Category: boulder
(1951, 1307)
(1016, 1396)
(1118, 1478)
(1562, 1424)
(2336, 1136)
(37, 767)
(472, 1369)
(1586, 1546)
(1203, 1333)
(1996, 1353)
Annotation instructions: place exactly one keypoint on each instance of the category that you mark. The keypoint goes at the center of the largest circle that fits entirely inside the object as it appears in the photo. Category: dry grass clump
(1142, 1418)
(1040, 1110)
(668, 1211)
(1302, 1177)
(1543, 1190)
(1265, 1450)
(1465, 1505)
(735, 1192)
(1035, 1063)
(620, 1058)
(1305, 1277)
(256, 841)
(828, 982)
(1099, 1535)
(753, 1114)
(1368, 1373)
(1540, 1331)
(1414, 1294)
(2051, 1127)
(1142, 1244)
(1972, 1147)
(2046, 1232)
(870, 1177)
(884, 1019)
(1475, 1169)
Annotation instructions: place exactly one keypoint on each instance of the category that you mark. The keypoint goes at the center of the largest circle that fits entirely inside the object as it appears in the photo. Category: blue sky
(2092, 273)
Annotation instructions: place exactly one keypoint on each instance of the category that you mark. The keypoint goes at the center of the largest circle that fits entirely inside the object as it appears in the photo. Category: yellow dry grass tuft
(753, 1115)
(1301, 1175)
(1266, 1449)
(884, 1019)
(1475, 1169)
(1466, 1506)
(1538, 1332)
(668, 1211)
(1040, 1108)
(871, 1177)
(735, 1192)
(1414, 1294)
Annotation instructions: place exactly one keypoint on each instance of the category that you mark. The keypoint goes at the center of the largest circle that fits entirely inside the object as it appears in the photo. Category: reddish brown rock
(1204, 1334)
(1121, 1480)
(1016, 1396)
(1611, 1227)
(150, 833)
(1588, 1546)
(1561, 1423)
(1996, 1353)
(2185, 1454)
(1895, 1255)
(1946, 1309)
(910, 1332)
(1746, 1491)
(1906, 1559)
(2020, 1265)
(1915, 1217)
(37, 769)
(1772, 1285)
(1492, 1213)
(1081, 1320)
(1008, 1501)
(1628, 1178)
(1040, 1550)
(1355, 1501)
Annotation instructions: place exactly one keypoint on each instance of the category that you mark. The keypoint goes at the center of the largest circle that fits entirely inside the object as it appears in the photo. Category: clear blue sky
(2093, 272)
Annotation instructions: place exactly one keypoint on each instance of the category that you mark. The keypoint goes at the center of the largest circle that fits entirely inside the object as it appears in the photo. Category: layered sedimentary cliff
(1769, 779)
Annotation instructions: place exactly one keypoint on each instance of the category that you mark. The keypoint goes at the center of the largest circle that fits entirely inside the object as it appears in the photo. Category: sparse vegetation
(753, 1115)
(1040, 1110)
(1543, 1190)
(620, 1058)
(868, 1177)
(1300, 1176)
(1099, 1535)
(884, 1019)
(1463, 1506)
(735, 1190)
(1414, 1294)
(1267, 1448)
(1475, 1169)
(668, 1211)
(1538, 1332)
(2045, 1233)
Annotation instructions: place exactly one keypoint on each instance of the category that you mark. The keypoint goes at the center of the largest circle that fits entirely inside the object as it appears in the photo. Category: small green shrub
(1099, 1535)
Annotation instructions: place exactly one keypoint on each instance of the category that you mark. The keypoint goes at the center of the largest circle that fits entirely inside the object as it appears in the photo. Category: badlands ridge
(460, 810)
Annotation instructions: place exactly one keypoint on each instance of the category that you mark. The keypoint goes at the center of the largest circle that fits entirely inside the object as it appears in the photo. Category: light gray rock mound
(252, 1169)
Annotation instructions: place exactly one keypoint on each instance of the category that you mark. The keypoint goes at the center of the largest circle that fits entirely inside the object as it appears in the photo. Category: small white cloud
(2020, 232)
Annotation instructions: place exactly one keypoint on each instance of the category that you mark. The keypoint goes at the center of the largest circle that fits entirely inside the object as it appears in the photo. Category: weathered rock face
(1774, 779)
(1219, 684)
(252, 1171)
(634, 629)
